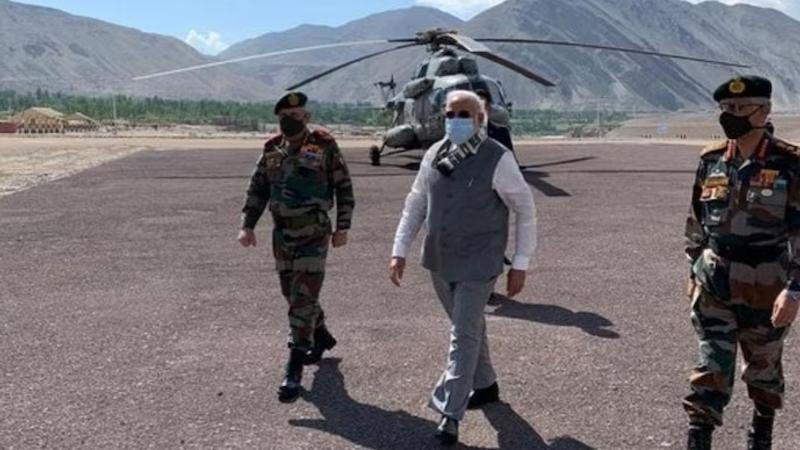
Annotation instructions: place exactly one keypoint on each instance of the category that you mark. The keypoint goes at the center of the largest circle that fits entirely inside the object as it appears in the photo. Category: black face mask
(737, 126)
(291, 127)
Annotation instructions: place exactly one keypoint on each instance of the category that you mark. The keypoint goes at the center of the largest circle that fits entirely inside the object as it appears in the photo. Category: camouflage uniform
(299, 183)
(743, 236)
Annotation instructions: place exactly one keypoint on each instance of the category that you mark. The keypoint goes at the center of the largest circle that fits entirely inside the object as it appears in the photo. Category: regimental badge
(716, 181)
(715, 193)
(293, 100)
(716, 187)
(273, 160)
(737, 86)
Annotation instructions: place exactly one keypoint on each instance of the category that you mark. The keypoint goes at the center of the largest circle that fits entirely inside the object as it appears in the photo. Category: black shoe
(495, 299)
(290, 388)
(700, 437)
(481, 397)
(323, 340)
(447, 431)
(760, 435)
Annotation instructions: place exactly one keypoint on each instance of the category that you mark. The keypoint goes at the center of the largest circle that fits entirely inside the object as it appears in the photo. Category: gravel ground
(131, 318)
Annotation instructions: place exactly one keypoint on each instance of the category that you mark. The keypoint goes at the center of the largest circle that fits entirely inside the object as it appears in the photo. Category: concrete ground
(131, 318)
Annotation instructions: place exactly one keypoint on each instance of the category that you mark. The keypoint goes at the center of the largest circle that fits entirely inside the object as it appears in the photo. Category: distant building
(81, 122)
(7, 127)
(40, 120)
(47, 120)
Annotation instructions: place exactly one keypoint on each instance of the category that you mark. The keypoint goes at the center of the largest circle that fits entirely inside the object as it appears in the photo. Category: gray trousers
(468, 364)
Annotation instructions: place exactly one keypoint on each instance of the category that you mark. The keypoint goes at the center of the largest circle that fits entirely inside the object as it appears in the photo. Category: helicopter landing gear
(375, 155)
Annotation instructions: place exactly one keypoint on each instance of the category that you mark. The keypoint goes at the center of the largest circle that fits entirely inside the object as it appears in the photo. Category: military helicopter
(417, 112)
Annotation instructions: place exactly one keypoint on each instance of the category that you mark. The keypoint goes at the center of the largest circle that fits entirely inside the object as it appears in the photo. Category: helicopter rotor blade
(516, 68)
(612, 48)
(259, 56)
(348, 63)
(466, 43)
(476, 48)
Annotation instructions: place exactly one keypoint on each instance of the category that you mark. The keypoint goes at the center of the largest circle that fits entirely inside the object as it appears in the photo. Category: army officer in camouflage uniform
(298, 176)
(743, 236)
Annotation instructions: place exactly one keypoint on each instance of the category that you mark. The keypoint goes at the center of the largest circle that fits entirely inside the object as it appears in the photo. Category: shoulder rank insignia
(714, 147)
(273, 141)
(322, 135)
(787, 147)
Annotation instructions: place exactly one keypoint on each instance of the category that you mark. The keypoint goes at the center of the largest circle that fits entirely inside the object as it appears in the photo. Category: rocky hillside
(50, 49)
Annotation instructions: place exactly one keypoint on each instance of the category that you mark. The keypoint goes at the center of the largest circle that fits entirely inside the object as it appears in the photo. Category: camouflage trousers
(739, 318)
(301, 290)
(300, 260)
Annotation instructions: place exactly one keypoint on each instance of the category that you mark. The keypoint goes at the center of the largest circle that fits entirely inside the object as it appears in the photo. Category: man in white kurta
(466, 186)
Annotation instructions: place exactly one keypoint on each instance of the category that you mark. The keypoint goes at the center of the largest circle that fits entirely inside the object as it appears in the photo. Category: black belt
(303, 220)
(747, 254)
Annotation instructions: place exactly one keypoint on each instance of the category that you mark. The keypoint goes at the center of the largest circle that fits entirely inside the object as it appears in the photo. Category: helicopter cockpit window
(467, 66)
(497, 95)
(493, 89)
(423, 71)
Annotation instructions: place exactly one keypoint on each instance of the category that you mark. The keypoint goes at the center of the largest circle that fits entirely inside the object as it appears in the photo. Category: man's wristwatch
(793, 290)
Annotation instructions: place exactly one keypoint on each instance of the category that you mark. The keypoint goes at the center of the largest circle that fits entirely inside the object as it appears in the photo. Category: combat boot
(760, 435)
(700, 437)
(323, 340)
(290, 387)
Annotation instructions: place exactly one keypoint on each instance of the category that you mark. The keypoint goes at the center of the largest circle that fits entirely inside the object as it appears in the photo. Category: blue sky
(210, 26)
(232, 20)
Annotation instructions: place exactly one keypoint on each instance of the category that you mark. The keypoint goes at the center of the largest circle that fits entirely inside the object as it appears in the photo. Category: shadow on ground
(372, 427)
(591, 323)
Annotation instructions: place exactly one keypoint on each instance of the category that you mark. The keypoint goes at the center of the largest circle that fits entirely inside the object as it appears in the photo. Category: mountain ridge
(50, 49)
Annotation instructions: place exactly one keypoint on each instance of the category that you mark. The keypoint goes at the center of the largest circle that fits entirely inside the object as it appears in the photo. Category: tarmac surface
(131, 318)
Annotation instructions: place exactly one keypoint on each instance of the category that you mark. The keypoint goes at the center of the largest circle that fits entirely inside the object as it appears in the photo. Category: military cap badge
(744, 86)
(291, 100)
(737, 86)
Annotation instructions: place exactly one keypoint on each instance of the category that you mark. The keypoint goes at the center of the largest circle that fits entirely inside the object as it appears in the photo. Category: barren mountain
(354, 84)
(764, 38)
(46, 48)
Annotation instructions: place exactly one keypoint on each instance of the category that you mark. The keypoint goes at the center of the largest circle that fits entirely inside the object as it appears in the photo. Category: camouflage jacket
(746, 210)
(300, 180)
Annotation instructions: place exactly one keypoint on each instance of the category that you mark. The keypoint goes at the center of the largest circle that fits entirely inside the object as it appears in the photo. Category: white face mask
(459, 129)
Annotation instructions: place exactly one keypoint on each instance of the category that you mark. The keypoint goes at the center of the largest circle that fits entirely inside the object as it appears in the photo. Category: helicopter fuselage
(418, 111)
